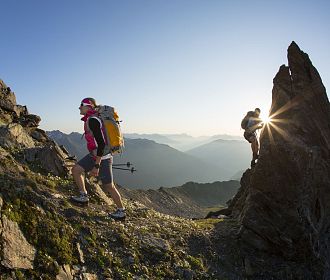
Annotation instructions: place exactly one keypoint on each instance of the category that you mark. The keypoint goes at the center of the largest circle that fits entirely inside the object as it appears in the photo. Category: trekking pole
(128, 164)
(127, 169)
(71, 158)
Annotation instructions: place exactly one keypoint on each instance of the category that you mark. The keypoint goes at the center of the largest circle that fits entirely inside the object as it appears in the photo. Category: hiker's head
(87, 104)
(257, 112)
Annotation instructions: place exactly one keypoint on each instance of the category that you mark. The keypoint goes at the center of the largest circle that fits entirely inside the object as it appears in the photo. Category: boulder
(9, 110)
(39, 135)
(64, 273)
(14, 135)
(17, 252)
(30, 120)
(5, 117)
(21, 111)
(7, 105)
(7, 98)
(6, 95)
(89, 276)
(50, 157)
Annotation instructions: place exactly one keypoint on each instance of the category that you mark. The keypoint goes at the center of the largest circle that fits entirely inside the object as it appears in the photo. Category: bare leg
(111, 188)
(255, 149)
(77, 172)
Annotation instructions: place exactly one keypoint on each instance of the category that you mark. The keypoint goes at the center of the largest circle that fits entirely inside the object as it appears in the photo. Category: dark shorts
(250, 136)
(105, 173)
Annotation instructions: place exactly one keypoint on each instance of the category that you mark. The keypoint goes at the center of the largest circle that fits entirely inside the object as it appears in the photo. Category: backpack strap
(95, 117)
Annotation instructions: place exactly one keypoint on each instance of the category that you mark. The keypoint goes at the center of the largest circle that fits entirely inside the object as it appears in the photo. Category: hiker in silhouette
(251, 123)
(98, 162)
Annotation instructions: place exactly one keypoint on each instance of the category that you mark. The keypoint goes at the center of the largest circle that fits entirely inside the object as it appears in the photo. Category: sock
(83, 193)
(121, 209)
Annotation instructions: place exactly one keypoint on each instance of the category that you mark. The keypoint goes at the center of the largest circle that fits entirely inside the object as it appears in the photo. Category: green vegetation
(207, 224)
(147, 245)
(195, 262)
(47, 232)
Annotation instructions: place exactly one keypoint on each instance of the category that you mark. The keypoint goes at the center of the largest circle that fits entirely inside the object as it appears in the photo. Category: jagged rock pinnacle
(283, 202)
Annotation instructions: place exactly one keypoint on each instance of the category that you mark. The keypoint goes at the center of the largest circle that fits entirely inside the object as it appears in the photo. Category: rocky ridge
(43, 236)
(19, 131)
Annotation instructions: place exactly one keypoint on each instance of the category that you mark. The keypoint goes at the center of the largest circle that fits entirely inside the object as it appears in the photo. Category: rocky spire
(283, 204)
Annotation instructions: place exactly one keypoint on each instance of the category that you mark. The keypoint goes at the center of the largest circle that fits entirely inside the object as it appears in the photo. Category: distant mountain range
(182, 142)
(230, 156)
(157, 164)
(160, 165)
(73, 142)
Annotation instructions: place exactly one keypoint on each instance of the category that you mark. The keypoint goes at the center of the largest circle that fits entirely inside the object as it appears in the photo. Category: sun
(267, 120)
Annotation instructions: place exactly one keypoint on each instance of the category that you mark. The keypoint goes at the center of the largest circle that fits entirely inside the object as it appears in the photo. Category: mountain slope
(209, 194)
(160, 165)
(157, 164)
(190, 200)
(44, 236)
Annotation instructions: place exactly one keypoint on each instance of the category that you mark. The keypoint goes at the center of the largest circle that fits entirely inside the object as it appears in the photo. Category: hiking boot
(119, 214)
(82, 198)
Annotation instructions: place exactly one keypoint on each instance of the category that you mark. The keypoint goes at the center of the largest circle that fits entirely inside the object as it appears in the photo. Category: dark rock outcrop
(51, 157)
(283, 203)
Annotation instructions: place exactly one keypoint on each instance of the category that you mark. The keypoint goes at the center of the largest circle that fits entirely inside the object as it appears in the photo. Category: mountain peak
(294, 45)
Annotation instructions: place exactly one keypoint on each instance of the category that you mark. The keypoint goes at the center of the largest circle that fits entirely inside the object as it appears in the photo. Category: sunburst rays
(274, 123)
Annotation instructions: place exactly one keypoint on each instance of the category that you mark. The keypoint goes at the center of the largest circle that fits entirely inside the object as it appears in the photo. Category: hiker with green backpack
(251, 123)
(103, 136)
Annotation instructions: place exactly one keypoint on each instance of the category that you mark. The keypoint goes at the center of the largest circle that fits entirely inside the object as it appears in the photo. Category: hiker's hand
(94, 172)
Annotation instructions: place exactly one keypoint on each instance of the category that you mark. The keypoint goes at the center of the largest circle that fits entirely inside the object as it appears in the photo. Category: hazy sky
(175, 66)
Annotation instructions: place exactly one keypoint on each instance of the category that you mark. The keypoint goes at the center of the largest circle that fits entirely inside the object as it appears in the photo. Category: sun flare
(267, 120)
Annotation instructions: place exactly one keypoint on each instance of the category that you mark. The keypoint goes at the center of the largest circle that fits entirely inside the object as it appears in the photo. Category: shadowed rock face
(283, 203)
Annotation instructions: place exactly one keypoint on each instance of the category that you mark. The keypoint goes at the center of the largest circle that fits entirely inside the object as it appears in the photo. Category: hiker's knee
(77, 170)
(109, 187)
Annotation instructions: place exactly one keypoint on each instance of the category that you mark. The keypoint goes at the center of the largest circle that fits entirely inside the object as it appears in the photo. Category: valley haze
(161, 165)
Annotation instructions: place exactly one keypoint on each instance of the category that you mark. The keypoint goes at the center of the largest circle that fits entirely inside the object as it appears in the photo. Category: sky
(176, 66)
